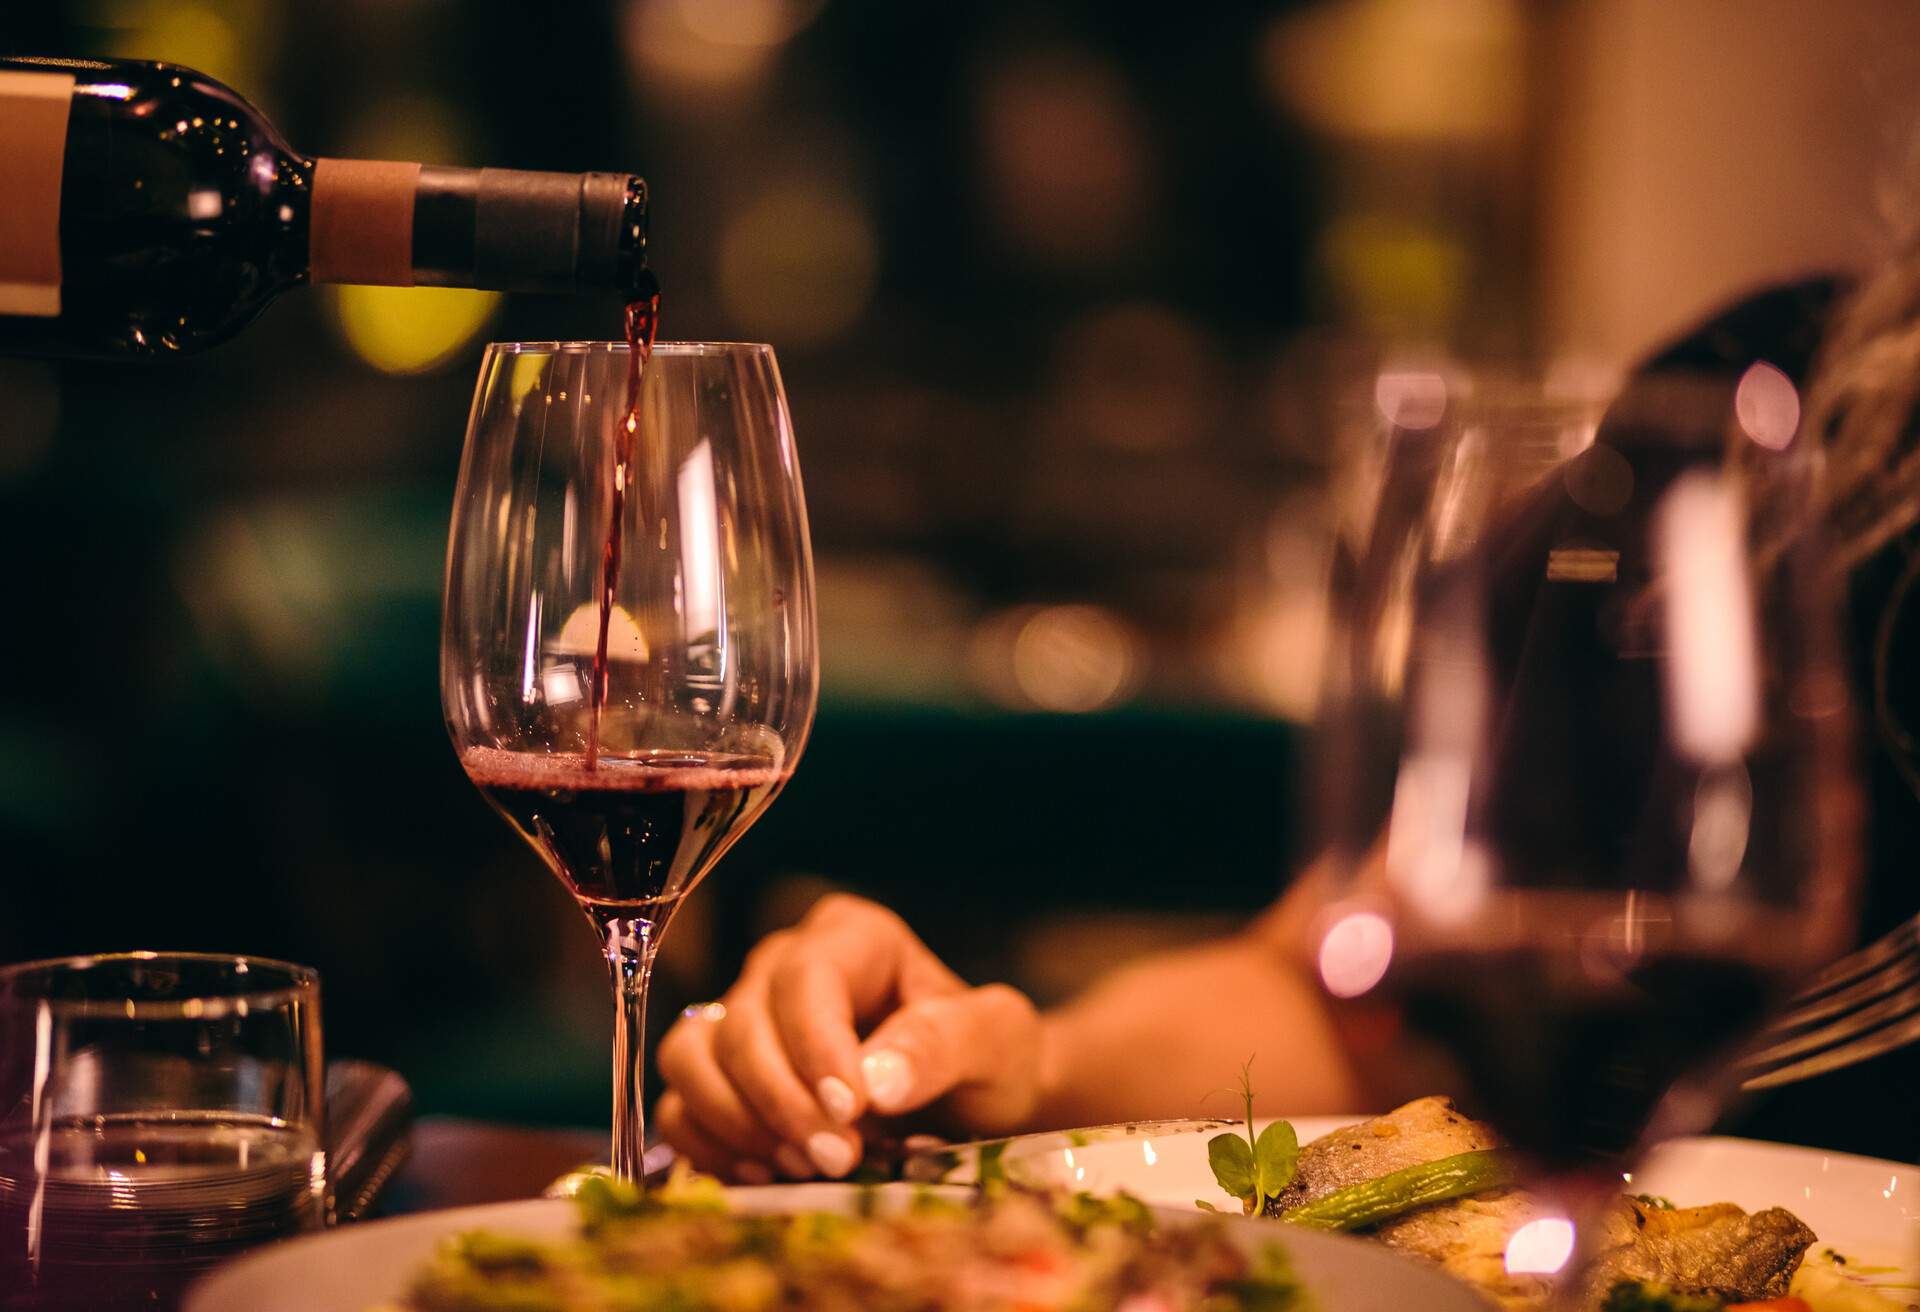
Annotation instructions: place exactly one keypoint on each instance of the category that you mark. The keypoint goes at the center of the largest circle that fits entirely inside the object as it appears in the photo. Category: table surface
(457, 1163)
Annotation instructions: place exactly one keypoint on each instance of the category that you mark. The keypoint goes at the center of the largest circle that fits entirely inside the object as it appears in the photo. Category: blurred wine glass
(1587, 753)
(706, 626)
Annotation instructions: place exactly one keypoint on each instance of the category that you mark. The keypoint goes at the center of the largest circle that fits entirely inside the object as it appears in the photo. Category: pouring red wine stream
(643, 320)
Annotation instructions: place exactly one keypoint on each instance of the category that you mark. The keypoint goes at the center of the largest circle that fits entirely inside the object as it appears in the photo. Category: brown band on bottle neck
(361, 229)
(33, 153)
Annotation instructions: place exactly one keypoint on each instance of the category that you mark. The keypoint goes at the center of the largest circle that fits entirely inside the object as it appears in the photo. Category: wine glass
(1588, 753)
(160, 1112)
(677, 584)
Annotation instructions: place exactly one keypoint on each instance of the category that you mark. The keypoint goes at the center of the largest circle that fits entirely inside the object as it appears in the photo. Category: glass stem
(630, 943)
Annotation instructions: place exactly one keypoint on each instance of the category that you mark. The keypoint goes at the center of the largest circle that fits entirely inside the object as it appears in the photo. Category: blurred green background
(1074, 301)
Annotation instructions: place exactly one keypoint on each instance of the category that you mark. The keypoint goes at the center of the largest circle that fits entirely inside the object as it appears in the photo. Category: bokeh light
(1540, 1247)
(1402, 277)
(798, 264)
(1273, 654)
(1355, 952)
(232, 40)
(1767, 405)
(1140, 377)
(1401, 69)
(1066, 156)
(690, 46)
(748, 22)
(1411, 398)
(411, 330)
(1070, 658)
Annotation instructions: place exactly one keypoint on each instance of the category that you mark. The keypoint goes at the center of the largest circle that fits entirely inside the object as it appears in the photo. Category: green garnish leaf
(1275, 1155)
(1232, 1163)
(1254, 1169)
(1204, 1205)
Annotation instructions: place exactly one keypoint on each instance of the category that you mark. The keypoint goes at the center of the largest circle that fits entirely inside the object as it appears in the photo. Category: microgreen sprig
(1253, 1169)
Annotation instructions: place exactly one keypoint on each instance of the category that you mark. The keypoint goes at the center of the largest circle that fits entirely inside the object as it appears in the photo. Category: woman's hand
(779, 1078)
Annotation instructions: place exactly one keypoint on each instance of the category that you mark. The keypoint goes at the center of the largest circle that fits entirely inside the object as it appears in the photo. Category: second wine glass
(680, 581)
(1590, 741)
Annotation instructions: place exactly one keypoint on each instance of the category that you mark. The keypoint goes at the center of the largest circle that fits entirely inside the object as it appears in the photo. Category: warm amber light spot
(410, 330)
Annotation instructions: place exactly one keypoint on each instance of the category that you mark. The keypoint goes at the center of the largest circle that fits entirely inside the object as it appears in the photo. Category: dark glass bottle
(150, 210)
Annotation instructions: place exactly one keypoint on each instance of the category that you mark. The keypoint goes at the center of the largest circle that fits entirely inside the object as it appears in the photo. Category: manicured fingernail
(836, 1096)
(792, 1162)
(832, 1154)
(889, 1077)
(752, 1173)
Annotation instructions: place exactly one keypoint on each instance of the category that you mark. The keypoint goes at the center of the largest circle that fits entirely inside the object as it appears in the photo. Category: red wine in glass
(627, 834)
(1569, 1053)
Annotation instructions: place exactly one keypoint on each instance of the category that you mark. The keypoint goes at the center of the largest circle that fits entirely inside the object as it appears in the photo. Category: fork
(1865, 1004)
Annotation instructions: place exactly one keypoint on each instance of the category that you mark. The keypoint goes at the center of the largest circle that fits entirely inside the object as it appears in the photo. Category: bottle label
(362, 224)
(33, 151)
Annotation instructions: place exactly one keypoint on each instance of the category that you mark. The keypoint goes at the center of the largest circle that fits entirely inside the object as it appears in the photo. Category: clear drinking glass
(158, 1112)
(1589, 750)
(710, 674)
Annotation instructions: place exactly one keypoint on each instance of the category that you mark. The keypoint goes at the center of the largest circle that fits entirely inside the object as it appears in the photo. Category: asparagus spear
(1372, 1201)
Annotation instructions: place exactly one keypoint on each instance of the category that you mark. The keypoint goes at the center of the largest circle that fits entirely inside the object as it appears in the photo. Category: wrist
(1053, 1073)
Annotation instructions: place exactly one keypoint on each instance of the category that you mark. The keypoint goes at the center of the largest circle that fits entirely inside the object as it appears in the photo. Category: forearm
(1167, 1035)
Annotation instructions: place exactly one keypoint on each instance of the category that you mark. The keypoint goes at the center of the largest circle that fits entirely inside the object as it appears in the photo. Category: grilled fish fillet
(1466, 1238)
(1422, 1131)
(1716, 1249)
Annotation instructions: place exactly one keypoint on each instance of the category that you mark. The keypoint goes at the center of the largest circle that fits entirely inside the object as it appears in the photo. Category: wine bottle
(150, 210)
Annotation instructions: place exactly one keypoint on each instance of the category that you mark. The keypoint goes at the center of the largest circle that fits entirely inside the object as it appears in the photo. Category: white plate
(360, 1266)
(1865, 1209)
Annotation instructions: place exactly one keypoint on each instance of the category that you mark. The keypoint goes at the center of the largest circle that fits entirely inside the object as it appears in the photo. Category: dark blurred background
(1073, 300)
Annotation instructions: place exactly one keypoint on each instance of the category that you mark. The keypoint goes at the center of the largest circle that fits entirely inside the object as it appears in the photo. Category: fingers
(856, 962)
(748, 1052)
(779, 1075)
(812, 1015)
(687, 1063)
(677, 1127)
(847, 965)
(978, 1049)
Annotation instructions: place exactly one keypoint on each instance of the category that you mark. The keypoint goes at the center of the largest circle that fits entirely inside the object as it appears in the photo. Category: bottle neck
(503, 229)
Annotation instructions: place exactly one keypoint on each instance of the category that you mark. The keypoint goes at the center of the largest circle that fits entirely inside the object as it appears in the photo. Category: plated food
(934, 1247)
(684, 1247)
(1843, 1229)
(1717, 1252)
(1423, 1191)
